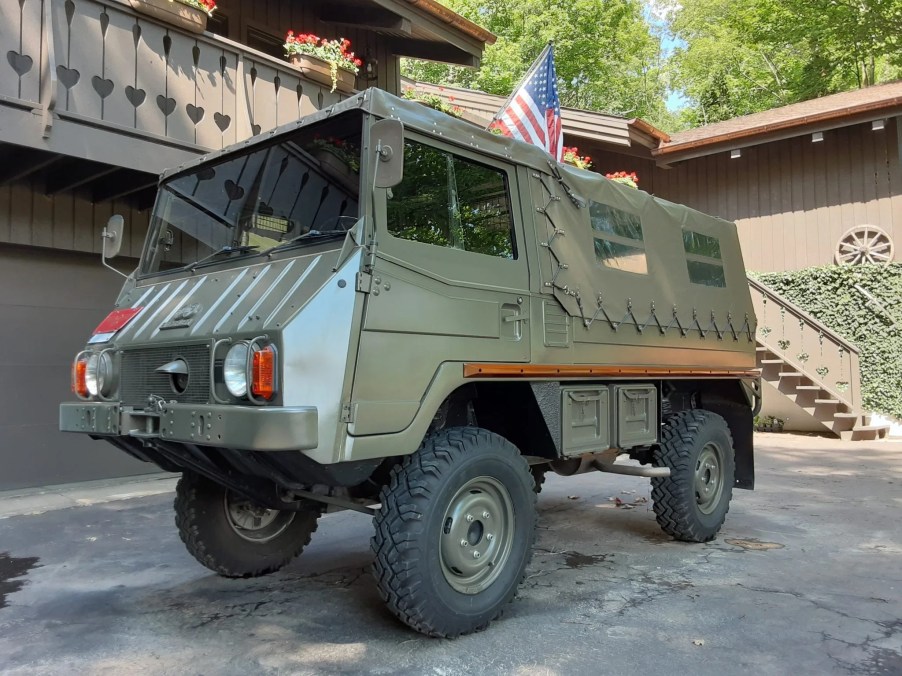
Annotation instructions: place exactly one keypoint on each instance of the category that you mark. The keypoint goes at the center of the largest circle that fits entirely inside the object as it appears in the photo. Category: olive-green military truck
(386, 309)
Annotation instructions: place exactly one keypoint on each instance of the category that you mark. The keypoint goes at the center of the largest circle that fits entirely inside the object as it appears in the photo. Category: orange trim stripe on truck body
(489, 370)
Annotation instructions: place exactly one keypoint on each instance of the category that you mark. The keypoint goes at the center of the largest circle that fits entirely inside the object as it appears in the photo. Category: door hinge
(364, 282)
(347, 413)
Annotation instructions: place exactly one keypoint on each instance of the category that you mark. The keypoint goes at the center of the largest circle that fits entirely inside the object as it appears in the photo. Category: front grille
(139, 378)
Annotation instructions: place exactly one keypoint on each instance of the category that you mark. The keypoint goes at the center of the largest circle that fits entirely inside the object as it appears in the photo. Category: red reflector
(263, 370)
(117, 319)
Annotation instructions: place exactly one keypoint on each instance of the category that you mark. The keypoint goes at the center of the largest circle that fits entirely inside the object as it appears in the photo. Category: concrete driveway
(806, 578)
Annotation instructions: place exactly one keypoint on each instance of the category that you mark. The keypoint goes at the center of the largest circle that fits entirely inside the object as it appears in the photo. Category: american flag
(533, 112)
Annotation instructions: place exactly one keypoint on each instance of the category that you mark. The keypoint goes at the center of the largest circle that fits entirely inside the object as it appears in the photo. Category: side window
(618, 238)
(446, 200)
(703, 259)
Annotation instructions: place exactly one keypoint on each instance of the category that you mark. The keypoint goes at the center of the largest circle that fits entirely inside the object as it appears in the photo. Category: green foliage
(606, 55)
(449, 201)
(742, 58)
(829, 294)
(433, 101)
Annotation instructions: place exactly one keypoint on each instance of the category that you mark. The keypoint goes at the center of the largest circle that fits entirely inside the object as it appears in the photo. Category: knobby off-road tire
(233, 537)
(538, 475)
(466, 491)
(692, 503)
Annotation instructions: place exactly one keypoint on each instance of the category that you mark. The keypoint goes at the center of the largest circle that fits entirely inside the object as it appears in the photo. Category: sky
(656, 13)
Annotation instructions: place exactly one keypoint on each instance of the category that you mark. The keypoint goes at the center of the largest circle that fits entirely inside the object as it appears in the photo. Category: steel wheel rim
(477, 535)
(709, 478)
(253, 523)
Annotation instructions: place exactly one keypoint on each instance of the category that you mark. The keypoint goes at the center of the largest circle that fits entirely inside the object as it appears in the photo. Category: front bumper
(241, 427)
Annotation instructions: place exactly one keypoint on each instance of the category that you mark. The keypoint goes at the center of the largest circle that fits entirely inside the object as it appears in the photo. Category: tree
(740, 58)
(606, 55)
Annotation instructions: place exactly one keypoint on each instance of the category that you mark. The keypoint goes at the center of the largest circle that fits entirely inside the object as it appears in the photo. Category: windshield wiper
(312, 234)
(227, 249)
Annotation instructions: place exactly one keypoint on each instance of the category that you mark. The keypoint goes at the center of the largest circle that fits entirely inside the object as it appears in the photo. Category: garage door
(49, 303)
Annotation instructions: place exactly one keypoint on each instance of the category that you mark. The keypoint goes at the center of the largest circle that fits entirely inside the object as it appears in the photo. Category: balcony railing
(98, 63)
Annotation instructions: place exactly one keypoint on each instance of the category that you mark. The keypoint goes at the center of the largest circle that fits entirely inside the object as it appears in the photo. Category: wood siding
(792, 200)
(67, 221)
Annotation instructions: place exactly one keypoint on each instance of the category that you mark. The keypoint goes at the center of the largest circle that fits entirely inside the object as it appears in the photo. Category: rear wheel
(692, 503)
(455, 532)
(231, 535)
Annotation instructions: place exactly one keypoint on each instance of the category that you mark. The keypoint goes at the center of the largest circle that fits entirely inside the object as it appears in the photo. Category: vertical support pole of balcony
(48, 70)
(243, 96)
(854, 380)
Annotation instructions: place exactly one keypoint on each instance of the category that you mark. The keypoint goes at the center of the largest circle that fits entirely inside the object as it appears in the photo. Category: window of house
(218, 24)
(265, 42)
(618, 238)
(703, 259)
(449, 201)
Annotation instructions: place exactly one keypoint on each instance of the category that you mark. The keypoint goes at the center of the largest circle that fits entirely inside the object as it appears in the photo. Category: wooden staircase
(811, 366)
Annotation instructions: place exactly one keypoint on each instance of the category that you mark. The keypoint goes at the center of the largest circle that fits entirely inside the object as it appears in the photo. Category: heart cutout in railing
(135, 96)
(68, 76)
(195, 113)
(166, 105)
(222, 121)
(233, 190)
(21, 63)
(103, 87)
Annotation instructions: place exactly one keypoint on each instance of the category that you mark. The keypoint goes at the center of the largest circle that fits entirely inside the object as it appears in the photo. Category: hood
(254, 299)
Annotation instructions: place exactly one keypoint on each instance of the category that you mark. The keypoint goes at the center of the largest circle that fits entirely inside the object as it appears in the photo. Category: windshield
(300, 190)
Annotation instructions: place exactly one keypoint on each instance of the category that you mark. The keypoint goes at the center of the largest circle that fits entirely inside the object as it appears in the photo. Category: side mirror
(388, 136)
(112, 236)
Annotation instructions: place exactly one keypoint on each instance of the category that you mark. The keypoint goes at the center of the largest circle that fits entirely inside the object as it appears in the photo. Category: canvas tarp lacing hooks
(556, 173)
(556, 232)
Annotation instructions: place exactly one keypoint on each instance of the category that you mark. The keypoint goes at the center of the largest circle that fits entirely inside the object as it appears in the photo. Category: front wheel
(454, 533)
(230, 535)
(692, 503)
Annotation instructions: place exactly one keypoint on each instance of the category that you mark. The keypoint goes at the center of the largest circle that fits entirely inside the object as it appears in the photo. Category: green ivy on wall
(829, 294)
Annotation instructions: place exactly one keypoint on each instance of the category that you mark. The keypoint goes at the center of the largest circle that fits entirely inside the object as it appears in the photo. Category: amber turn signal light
(79, 373)
(263, 372)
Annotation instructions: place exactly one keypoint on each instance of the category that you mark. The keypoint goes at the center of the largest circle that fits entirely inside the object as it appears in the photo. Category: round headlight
(99, 374)
(92, 374)
(234, 370)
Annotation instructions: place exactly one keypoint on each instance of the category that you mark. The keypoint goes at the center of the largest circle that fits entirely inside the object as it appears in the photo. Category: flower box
(320, 71)
(176, 13)
(336, 168)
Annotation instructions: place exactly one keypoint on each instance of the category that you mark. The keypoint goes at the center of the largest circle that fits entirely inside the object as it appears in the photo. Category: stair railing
(806, 345)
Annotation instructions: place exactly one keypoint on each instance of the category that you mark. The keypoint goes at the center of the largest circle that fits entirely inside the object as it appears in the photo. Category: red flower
(629, 178)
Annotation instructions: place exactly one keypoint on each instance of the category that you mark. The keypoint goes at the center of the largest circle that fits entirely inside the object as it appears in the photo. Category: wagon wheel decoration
(864, 244)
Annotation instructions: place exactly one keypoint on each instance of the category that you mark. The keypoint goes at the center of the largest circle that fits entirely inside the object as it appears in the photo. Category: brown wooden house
(96, 99)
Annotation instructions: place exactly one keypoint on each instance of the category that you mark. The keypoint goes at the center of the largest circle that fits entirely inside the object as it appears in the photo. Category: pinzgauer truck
(383, 308)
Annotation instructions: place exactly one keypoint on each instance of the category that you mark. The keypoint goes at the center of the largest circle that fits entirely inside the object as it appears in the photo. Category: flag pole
(532, 69)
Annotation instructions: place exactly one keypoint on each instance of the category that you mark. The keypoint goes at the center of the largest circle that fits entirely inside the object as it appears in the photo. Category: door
(450, 282)
(51, 301)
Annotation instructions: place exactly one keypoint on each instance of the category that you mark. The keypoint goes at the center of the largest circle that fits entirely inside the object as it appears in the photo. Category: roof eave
(454, 19)
(649, 129)
(864, 112)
